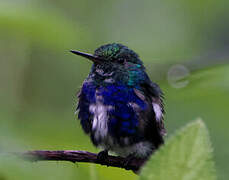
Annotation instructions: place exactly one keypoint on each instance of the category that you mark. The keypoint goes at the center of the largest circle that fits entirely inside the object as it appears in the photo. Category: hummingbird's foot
(102, 156)
(127, 161)
(137, 161)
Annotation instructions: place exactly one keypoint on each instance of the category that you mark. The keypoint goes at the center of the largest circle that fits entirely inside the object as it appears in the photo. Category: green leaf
(187, 155)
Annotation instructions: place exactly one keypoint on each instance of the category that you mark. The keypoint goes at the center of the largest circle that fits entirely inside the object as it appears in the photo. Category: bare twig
(82, 156)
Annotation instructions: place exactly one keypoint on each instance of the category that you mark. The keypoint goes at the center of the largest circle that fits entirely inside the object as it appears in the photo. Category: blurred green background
(184, 45)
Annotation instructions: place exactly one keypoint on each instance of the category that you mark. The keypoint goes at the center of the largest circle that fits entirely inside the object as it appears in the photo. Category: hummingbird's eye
(121, 60)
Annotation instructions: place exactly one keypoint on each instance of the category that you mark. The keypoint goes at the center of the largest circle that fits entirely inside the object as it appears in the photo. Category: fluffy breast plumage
(116, 117)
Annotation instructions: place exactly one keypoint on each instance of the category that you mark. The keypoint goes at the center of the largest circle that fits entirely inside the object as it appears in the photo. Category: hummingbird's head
(115, 59)
(112, 54)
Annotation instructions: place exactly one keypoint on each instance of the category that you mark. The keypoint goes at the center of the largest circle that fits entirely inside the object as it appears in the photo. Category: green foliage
(43, 26)
(187, 155)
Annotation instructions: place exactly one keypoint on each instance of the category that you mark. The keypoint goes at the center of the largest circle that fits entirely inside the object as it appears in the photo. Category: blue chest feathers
(110, 114)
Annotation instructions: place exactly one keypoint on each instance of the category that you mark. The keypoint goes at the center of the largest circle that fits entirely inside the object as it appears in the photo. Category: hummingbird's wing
(85, 98)
(152, 117)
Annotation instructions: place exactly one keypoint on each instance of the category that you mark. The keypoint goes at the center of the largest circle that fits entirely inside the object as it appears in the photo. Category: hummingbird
(119, 107)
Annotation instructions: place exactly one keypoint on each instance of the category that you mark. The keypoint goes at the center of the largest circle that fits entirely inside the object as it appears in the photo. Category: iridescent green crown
(116, 51)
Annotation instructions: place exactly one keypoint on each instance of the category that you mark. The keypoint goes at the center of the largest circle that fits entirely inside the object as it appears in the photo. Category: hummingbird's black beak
(88, 56)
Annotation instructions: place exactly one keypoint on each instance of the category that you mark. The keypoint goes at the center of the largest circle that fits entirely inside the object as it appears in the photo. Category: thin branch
(82, 156)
